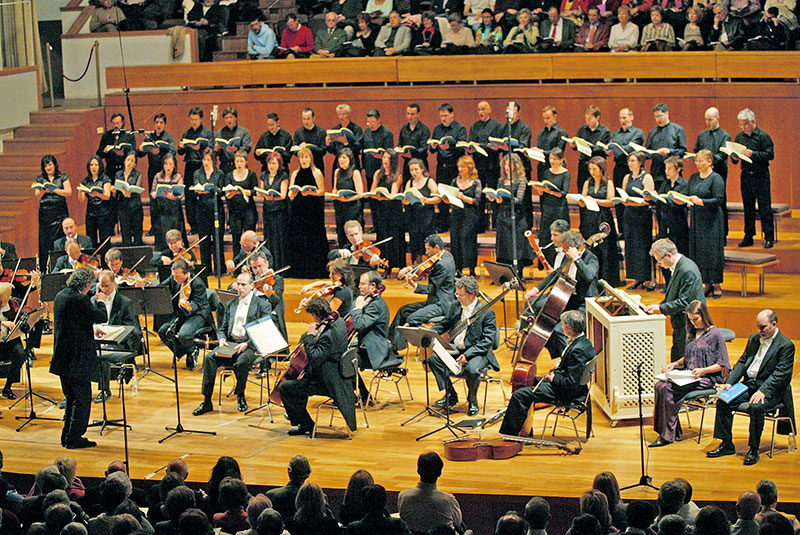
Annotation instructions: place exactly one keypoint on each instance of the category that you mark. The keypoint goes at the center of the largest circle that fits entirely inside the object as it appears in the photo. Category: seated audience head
(537, 513)
(374, 498)
(256, 506)
(178, 466)
(586, 524)
(360, 480)
(74, 528)
(124, 524)
(53, 497)
(606, 482)
(748, 504)
(640, 514)
(687, 487)
(429, 467)
(129, 507)
(671, 525)
(58, 516)
(442, 529)
(194, 522)
(656, 14)
(170, 481)
(553, 14)
(454, 19)
(299, 469)
(768, 492)
(394, 19)
(311, 504)
(269, 523)
(178, 500)
(775, 524)
(114, 490)
(511, 524)
(711, 520)
(524, 16)
(670, 498)
(595, 502)
(624, 14)
(232, 494)
(49, 478)
(225, 467)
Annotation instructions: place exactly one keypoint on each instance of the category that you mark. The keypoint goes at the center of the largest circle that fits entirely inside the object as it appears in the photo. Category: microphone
(510, 109)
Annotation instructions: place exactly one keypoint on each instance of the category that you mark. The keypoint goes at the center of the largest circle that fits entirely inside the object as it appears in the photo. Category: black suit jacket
(480, 336)
(372, 325)
(567, 376)
(684, 286)
(10, 250)
(775, 372)
(74, 350)
(441, 285)
(62, 262)
(259, 307)
(585, 278)
(122, 314)
(197, 298)
(84, 241)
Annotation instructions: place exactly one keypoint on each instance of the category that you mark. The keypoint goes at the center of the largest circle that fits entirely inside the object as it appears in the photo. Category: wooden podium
(624, 336)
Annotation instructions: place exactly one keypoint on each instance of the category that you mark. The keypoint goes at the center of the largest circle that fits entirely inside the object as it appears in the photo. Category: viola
(325, 291)
(538, 250)
(472, 449)
(298, 361)
(421, 269)
(131, 278)
(367, 250)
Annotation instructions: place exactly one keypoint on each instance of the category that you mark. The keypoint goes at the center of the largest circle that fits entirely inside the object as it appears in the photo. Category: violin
(185, 292)
(538, 250)
(84, 260)
(184, 252)
(367, 250)
(325, 291)
(421, 269)
(22, 276)
(130, 277)
(265, 283)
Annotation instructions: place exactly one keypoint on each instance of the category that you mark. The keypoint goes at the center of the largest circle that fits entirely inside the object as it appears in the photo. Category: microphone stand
(644, 480)
(514, 261)
(218, 260)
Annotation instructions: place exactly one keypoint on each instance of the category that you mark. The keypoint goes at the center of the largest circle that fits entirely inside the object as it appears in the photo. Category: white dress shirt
(752, 371)
(240, 317)
(466, 312)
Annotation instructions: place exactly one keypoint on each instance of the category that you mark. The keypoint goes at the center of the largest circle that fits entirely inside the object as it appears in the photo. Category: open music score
(618, 302)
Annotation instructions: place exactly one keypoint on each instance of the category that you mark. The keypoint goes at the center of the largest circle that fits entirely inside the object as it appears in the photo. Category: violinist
(325, 342)
(439, 291)
(120, 312)
(259, 267)
(11, 351)
(355, 235)
(561, 385)
(371, 317)
(69, 261)
(114, 262)
(341, 285)
(474, 345)
(175, 249)
(583, 268)
(248, 242)
(245, 308)
(190, 313)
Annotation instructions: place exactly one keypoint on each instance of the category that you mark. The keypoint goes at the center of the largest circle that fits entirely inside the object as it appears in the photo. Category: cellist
(582, 267)
(12, 351)
(440, 291)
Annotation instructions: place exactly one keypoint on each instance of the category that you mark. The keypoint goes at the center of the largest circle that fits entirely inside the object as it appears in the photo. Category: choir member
(52, 206)
(129, 205)
(598, 187)
(308, 251)
(420, 217)
(552, 199)
(99, 222)
(276, 207)
(513, 181)
(167, 203)
(242, 212)
(388, 215)
(210, 181)
(637, 224)
(707, 230)
(464, 222)
(346, 177)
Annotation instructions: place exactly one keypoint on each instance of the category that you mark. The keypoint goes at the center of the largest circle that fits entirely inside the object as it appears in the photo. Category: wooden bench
(779, 211)
(745, 263)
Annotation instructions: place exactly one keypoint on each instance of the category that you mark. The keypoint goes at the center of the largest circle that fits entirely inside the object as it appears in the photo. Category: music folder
(265, 336)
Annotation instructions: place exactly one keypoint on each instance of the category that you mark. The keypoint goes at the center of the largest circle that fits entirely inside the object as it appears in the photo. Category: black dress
(607, 252)
(242, 212)
(464, 223)
(308, 248)
(388, 221)
(637, 225)
(52, 211)
(276, 217)
(170, 212)
(503, 244)
(553, 208)
(345, 295)
(131, 213)
(672, 217)
(99, 212)
(205, 218)
(420, 221)
(346, 210)
(707, 231)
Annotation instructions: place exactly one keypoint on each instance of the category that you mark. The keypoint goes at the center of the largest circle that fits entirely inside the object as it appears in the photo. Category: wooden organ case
(624, 336)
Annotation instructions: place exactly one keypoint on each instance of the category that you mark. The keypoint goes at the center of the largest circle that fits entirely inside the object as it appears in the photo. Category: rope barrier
(60, 70)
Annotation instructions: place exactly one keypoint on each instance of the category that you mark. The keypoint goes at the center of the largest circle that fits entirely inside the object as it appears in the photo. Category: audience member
(257, 505)
(639, 515)
(726, 31)
(352, 503)
(524, 37)
(585, 524)
(593, 35)
(624, 35)
(775, 524)
(747, 506)
(456, 38)
(225, 467)
(296, 39)
(394, 39)
(194, 522)
(269, 523)
(671, 525)
(68, 468)
(689, 509)
(329, 41)
(125, 524)
(558, 34)
(312, 514)
(606, 482)
(658, 35)
(261, 40)
(425, 506)
(233, 498)
(768, 492)
(511, 524)
(595, 503)
(107, 17)
(537, 515)
(711, 520)
(375, 519)
(283, 498)
(770, 33)
(179, 500)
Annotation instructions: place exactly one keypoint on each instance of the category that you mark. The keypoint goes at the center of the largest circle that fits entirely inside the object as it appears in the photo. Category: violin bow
(246, 258)
(100, 247)
(188, 283)
(136, 264)
(271, 274)
(361, 249)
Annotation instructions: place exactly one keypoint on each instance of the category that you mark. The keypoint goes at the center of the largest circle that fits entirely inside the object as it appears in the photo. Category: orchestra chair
(702, 399)
(487, 379)
(577, 407)
(782, 412)
(255, 377)
(394, 371)
(349, 366)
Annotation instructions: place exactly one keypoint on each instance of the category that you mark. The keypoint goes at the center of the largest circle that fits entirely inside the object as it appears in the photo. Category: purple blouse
(707, 350)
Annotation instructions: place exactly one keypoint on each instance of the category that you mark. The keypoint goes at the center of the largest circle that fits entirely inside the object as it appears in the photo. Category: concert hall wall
(774, 105)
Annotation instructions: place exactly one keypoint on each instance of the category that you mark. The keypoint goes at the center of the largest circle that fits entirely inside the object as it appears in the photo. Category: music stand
(267, 339)
(179, 429)
(29, 264)
(132, 255)
(422, 337)
(25, 328)
(500, 274)
(112, 356)
(149, 300)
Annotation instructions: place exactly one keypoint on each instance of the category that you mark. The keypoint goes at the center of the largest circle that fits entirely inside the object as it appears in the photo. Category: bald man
(747, 506)
(481, 130)
(713, 138)
(765, 368)
(249, 242)
(71, 232)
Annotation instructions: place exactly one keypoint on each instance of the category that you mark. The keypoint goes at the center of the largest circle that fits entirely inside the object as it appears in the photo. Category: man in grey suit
(765, 368)
(247, 307)
(329, 41)
(557, 34)
(394, 38)
(474, 345)
(684, 286)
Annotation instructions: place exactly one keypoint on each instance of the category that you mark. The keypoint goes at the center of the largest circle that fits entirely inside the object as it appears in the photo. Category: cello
(554, 300)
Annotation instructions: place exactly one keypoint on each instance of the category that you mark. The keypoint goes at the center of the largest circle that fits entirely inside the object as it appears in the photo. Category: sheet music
(448, 359)
(266, 336)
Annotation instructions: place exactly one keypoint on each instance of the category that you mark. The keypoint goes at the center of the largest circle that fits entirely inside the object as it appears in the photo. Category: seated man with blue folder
(765, 370)
(235, 348)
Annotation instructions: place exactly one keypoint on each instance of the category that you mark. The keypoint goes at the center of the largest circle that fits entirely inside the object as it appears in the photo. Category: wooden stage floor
(389, 450)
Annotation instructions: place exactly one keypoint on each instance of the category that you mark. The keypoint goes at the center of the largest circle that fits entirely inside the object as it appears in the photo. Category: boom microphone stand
(644, 479)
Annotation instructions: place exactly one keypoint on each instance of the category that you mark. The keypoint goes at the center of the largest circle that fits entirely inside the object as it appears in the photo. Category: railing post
(50, 74)
(96, 47)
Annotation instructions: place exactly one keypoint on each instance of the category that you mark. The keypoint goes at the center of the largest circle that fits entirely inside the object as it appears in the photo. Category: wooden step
(234, 44)
(228, 56)
(61, 117)
(24, 160)
(20, 172)
(35, 131)
(40, 145)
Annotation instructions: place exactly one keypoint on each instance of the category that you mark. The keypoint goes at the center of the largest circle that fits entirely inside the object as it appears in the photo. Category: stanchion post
(96, 47)
(50, 74)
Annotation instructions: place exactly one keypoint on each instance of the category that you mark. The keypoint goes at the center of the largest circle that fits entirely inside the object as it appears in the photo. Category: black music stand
(112, 356)
(25, 328)
(149, 300)
(179, 429)
(268, 340)
(134, 254)
(644, 479)
(501, 274)
(422, 337)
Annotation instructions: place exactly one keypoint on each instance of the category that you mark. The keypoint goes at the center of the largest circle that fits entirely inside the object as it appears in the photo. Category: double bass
(554, 300)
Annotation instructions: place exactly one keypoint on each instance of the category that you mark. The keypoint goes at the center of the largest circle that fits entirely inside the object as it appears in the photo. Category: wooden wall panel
(774, 105)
